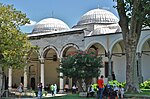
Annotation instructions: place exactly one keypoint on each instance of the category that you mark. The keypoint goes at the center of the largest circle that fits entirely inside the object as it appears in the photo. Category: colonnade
(26, 77)
(61, 81)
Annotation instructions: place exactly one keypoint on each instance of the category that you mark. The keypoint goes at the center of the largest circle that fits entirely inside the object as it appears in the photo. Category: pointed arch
(114, 42)
(141, 43)
(67, 46)
(95, 42)
(50, 47)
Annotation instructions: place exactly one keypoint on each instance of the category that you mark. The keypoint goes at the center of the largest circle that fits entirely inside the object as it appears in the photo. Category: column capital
(108, 54)
(41, 60)
(139, 54)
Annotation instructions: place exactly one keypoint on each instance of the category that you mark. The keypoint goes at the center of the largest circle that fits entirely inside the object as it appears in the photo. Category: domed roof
(98, 16)
(105, 29)
(50, 25)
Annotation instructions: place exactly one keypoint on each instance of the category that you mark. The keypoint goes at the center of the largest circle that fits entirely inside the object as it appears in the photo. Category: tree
(14, 45)
(81, 65)
(134, 14)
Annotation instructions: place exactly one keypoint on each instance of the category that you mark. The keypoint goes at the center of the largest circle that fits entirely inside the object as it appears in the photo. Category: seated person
(74, 88)
(90, 91)
(120, 91)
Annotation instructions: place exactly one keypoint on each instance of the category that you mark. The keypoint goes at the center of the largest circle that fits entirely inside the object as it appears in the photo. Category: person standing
(100, 83)
(55, 89)
(52, 89)
(40, 90)
(20, 89)
(113, 76)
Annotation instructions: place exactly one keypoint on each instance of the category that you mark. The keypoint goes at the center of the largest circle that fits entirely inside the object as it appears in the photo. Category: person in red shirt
(100, 83)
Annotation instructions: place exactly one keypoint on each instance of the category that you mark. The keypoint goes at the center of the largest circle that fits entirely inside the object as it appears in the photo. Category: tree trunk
(79, 84)
(131, 68)
(131, 31)
(87, 82)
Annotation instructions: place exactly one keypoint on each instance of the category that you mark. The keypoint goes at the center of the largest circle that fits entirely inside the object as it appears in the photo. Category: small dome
(98, 16)
(50, 25)
(106, 29)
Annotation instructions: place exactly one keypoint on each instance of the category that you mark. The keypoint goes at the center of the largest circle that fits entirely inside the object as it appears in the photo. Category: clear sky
(68, 11)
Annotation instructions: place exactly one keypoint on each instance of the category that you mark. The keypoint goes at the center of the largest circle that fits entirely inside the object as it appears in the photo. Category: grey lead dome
(50, 25)
(98, 16)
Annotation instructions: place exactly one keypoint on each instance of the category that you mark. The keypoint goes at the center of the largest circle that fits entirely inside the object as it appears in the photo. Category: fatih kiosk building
(97, 30)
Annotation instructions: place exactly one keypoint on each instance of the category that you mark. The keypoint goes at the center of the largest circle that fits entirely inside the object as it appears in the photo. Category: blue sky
(69, 11)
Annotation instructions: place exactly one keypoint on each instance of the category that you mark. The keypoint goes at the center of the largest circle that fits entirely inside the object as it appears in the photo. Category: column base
(9, 89)
(61, 91)
(25, 88)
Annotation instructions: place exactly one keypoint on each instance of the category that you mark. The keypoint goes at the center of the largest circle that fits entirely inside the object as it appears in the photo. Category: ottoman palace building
(97, 30)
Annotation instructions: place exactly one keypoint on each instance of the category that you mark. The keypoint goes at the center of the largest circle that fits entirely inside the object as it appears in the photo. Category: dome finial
(52, 14)
(98, 6)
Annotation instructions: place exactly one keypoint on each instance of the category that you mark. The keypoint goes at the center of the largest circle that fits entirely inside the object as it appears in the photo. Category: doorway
(33, 83)
(107, 69)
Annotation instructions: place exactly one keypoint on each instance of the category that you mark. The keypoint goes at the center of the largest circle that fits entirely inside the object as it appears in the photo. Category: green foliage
(140, 9)
(95, 87)
(112, 82)
(145, 85)
(14, 45)
(80, 65)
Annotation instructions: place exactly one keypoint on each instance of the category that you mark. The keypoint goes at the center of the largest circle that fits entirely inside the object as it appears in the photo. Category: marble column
(140, 77)
(25, 78)
(61, 81)
(10, 78)
(42, 71)
(94, 80)
(61, 84)
(109, 67)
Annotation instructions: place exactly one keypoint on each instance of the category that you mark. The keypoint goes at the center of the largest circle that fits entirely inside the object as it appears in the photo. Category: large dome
(98, 16)
(50, 25)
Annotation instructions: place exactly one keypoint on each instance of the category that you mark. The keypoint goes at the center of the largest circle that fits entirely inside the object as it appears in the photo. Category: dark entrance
(33, 83)
(107, 69)
(22, 79)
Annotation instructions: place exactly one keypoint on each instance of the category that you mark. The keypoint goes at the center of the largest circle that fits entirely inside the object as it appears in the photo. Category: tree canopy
(14, 44)
(81, 65)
